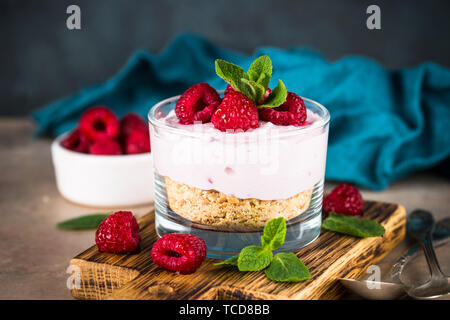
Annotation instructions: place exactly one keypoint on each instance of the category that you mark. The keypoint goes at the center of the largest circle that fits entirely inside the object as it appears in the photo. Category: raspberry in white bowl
(224, 167)
(105, 162)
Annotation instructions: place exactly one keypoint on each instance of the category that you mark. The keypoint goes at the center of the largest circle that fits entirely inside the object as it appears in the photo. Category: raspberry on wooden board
(118, 233)
(179, 252)
(344, 199)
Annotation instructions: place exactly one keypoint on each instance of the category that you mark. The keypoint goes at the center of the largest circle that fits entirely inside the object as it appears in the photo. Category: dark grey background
(41, 60)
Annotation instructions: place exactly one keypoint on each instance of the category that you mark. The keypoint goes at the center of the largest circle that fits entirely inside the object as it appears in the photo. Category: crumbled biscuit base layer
(218, 209)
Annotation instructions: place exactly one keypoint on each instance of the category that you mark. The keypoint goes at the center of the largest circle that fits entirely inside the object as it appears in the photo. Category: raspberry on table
(118, 233)
(292, 112)
(76, 141)
(99, 123)
(235, 112)
(130, 122)
(344, 199)
(106, 147)
(197, 104)
(179, 252)
(137, 141)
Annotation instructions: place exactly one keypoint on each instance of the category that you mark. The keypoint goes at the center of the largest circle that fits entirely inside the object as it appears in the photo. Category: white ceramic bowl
(103, 181)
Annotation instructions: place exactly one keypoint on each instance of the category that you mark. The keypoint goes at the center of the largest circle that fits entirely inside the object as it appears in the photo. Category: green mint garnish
(254, 258)
(277, 97)
(233, 261)
(274, 234)
(286, 267)
(353, 226)
(90, 221)
(251, 89)
(283, 267)
(231, 73)
(255, 82)
(260, 71)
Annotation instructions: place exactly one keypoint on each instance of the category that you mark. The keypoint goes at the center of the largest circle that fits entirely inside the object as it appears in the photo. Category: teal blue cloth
(385, 124)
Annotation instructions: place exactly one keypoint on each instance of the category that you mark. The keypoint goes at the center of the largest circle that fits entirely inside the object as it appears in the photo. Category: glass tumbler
(224, 186)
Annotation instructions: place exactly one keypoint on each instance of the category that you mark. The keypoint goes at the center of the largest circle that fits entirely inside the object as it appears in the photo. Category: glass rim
(324, 120)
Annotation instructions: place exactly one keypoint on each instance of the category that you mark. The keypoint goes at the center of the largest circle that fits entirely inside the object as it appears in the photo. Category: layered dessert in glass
(223, 184)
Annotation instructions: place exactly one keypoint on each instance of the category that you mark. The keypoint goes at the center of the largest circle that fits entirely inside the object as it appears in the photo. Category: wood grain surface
(331, 256)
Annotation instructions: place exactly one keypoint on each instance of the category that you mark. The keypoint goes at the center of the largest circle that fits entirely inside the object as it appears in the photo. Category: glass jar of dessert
(223, 170)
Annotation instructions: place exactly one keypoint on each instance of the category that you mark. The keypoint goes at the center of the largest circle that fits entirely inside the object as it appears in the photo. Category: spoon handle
(430, 254)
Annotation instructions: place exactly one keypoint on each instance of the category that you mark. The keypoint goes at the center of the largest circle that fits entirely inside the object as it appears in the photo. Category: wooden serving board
(331, 256)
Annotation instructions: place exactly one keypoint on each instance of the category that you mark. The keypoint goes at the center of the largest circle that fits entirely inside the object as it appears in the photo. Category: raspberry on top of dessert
(247, 100)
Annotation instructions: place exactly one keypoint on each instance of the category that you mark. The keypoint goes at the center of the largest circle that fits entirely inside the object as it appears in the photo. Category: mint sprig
(86, 222)
(254, 82)
(285, 267)
(352, 226)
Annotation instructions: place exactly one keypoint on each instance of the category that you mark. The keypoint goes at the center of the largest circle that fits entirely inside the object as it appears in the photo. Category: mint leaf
(229, 72)
(251, 89)
(277, 97)
(90, 221)
(260, 71)
(233, 261)
(286, 267)
(353, 226)
(274, 234)
(254, 258)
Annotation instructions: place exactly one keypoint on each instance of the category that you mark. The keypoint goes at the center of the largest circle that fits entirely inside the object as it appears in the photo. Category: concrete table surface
(34, 254)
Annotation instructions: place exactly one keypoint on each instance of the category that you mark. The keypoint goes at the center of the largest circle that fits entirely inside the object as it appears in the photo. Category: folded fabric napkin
(384, 124)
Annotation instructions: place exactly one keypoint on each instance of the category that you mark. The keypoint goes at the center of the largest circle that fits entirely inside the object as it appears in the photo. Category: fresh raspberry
(228, 89)
(181, 253)
(118, 233)
(76, 141)
(292, 112)
(344, 199)
(197, 104)
(236, 111)
(138, 141)
(130, 122)
(268, 91)
(106, 147)
(99, 123)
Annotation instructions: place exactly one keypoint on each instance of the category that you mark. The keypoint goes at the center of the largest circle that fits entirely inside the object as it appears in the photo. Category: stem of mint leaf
(233, 261)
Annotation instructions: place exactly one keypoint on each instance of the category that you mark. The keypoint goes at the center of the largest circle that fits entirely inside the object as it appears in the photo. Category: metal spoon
(392, 288)
(419, 226)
